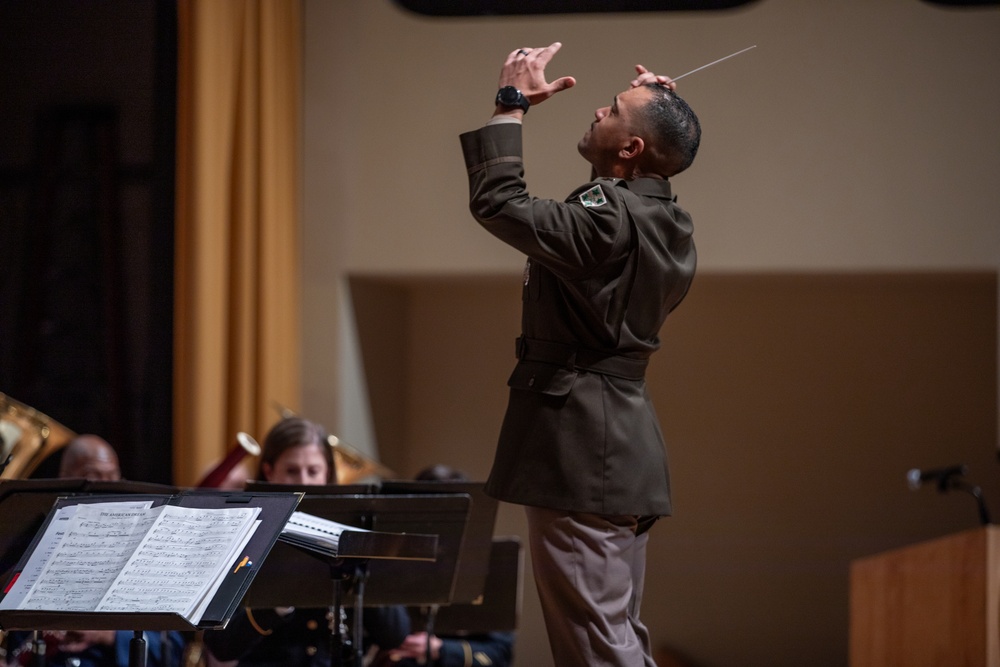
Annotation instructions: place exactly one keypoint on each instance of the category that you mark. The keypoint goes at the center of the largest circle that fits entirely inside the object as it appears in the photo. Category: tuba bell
(27, 437)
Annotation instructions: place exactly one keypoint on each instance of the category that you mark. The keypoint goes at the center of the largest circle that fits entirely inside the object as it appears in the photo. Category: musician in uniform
(297, 451)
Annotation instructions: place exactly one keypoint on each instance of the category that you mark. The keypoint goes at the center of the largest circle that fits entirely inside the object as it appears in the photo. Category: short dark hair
(674, 130)
(293, 432)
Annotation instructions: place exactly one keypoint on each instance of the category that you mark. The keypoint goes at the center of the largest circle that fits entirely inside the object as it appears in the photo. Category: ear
(632, 149)
(266, 469)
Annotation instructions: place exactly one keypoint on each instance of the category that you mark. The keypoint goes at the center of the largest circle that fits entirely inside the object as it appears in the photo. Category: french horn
(27, 437)
(351, 465)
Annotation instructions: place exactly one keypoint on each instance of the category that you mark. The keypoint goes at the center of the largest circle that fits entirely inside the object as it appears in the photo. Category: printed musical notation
(47, 546)
(129, 557)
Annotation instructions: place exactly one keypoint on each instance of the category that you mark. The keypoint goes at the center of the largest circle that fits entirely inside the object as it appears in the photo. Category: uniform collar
(649, 187)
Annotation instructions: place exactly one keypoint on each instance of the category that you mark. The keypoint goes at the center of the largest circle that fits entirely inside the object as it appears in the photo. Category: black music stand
(275, 510)
(474, 550)
(288, 576)
(497, 610)
(474, 555)
(348, 561)
(359, 489)
(373, 578)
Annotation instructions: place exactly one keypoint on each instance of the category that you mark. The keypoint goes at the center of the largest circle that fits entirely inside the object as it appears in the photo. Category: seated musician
(296, 451)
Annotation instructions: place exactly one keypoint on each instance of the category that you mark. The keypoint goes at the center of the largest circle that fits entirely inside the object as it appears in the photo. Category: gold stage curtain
(236, 316)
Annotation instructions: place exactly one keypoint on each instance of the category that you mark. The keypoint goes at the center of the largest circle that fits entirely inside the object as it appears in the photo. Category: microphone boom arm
(973, 490)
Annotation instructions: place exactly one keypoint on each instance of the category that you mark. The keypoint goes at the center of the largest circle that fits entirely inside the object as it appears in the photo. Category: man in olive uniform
(580, 445)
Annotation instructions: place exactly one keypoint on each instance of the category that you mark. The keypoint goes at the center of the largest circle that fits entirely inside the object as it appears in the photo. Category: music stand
(359, 489)
(474, 550)
(348, 561)
(372, 578)
(275, 510)
(474, 554)
(288, 576)
(497, 610)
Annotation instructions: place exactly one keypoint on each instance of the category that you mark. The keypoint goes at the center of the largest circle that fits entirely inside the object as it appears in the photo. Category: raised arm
(524, 69)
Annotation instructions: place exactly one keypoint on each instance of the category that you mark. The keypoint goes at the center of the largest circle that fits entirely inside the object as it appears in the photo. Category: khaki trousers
(589, 571)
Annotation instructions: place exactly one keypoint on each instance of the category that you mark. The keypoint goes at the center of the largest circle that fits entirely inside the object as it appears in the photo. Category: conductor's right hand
(644, 76)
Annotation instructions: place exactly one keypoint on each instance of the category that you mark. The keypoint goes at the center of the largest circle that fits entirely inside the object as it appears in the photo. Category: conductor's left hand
(525, 70)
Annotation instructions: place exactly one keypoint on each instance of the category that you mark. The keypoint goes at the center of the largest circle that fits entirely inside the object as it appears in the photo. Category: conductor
(580, 445)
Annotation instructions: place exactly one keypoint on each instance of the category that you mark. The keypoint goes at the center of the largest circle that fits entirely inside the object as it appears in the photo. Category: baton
(698, 69)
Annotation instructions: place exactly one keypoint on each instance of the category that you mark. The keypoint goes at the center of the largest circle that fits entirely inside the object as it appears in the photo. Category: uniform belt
(577, 358)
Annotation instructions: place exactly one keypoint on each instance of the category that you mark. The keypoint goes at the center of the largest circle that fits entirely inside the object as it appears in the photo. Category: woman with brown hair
(296, 451)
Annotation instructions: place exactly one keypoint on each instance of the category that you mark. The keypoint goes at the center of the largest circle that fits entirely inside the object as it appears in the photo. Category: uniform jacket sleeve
(495, 649)
(569, 237)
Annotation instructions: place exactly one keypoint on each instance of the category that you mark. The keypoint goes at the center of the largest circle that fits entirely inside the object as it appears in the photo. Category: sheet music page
(210, 593)
(179, 560)
(47, 546)
(317, 528)
(98, 541)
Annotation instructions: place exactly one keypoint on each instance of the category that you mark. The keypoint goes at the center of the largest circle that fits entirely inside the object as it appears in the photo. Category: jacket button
(531, 381)
(312, 624)
(311, 650)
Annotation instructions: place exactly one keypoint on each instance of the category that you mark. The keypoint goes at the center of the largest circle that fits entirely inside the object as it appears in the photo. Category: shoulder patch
(593, 197)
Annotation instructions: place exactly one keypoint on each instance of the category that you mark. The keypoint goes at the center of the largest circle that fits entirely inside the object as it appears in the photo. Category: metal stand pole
(137, 650)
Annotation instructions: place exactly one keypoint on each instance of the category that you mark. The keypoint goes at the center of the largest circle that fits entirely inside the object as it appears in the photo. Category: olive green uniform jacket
(604, 269)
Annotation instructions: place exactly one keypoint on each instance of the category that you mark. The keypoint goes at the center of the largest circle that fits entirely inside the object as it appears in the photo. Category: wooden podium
(933, 603)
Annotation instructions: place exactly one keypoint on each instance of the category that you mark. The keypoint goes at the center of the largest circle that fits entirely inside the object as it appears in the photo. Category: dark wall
(86, 204)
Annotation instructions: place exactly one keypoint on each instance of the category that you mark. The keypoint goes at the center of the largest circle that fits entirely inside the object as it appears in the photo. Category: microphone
(916, 477)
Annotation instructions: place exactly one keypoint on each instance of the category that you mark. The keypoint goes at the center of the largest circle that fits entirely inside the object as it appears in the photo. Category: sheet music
(316, 528)
(207, 597)
(179, 560)
(97, 543)
(122, 558)
(47, 546)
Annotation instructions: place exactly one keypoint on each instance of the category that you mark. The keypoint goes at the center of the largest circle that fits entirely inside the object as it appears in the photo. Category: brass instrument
(245, 446)
(352, 465)
(28, 438)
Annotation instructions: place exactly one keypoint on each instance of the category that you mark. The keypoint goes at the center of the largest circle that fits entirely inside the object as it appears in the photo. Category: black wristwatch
(509, 96)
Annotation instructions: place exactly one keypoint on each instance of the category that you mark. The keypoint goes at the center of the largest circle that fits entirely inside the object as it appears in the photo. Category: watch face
(509, 96)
